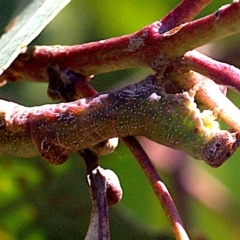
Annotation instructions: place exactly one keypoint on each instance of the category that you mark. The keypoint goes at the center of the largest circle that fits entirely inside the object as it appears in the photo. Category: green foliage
(40, 201)
(29, 19)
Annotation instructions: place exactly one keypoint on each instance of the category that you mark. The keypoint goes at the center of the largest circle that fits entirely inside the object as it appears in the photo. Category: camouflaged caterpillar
(145, 109)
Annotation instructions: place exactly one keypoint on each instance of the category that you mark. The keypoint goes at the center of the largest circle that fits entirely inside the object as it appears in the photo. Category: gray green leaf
(30, 18)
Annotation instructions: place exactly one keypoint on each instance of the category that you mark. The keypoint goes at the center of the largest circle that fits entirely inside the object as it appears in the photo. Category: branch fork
(165, 46)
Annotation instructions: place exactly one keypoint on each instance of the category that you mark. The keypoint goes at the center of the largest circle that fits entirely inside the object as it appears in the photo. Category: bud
(113, 188)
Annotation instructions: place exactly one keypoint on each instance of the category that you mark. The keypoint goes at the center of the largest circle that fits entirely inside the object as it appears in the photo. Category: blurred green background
(39, 201)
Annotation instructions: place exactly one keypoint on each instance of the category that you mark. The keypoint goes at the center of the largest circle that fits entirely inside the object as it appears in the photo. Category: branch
(99, 222)
(158, 187)
(105, 191)
(184, 12)
(220, 73)
(145, 48)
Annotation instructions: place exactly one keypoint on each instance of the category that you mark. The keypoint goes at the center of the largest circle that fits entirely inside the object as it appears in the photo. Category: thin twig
(158, 187)
(220, 73)
(99, 222)
(184, 12)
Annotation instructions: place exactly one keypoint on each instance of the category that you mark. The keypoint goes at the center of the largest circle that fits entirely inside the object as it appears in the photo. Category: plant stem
(99, 223)
(184, 12)
(220, 73)
(158, 187)
(145, 48)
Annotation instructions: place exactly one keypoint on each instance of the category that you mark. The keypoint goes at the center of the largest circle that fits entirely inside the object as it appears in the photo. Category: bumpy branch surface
(144, 108)
(145, 48)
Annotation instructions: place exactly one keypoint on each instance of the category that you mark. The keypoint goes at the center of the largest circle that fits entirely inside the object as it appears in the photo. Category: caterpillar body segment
(144, 108)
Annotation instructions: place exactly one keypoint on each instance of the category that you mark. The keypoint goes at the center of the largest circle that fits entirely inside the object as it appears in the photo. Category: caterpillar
(144, 108)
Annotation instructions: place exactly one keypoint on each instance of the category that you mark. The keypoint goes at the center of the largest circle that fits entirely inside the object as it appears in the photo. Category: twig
(105, 191)
(145, 48)
(99, 222)
(158, 187)
(220, 73)
(184, 12)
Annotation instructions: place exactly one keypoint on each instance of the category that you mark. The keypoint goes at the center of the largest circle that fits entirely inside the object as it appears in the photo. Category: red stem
(158, 187)
(185, 11)
(145, 48)
(220, 73)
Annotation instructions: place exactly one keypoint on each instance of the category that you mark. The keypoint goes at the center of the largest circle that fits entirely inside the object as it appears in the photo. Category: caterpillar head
(220, 148)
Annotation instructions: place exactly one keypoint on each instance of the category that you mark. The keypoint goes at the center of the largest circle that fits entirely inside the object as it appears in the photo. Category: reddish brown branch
(205, 30)
(145, 48)
(220, 73)
(182, 13)
(158, 187)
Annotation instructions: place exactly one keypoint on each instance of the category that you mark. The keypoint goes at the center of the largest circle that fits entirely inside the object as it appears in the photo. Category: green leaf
(30, 18)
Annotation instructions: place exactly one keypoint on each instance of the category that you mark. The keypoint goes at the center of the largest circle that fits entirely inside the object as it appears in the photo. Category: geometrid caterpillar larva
(143, 108)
